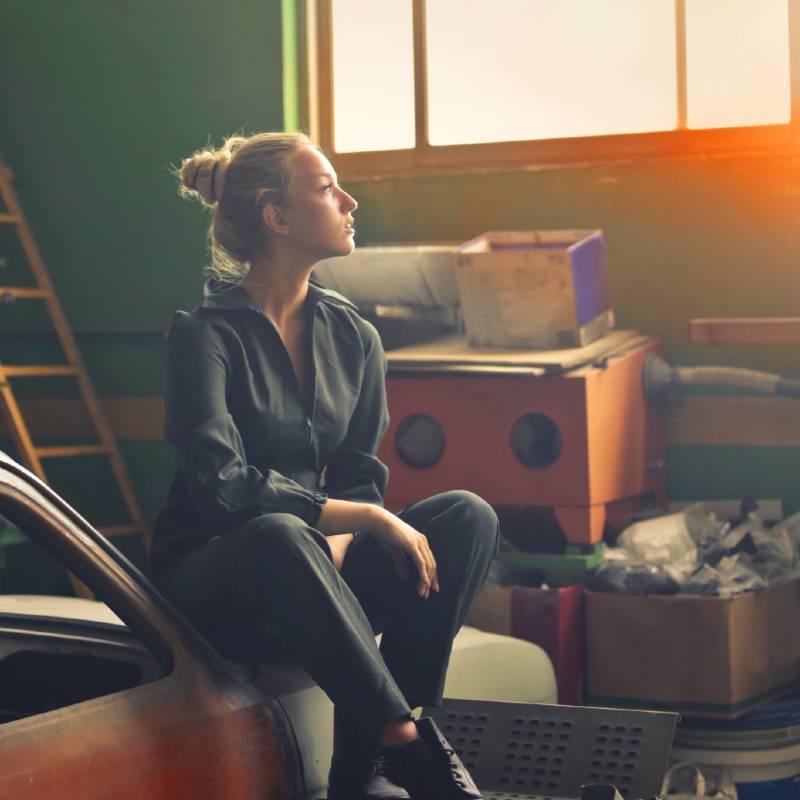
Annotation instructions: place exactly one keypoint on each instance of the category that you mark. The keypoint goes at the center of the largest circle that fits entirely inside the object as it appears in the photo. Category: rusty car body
(92, 711)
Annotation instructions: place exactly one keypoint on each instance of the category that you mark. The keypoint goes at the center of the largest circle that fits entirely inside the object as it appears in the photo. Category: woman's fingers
(427, 567)
(430, 563)
(400, 539)
(400, 563)
(434, 573)
(423, 587)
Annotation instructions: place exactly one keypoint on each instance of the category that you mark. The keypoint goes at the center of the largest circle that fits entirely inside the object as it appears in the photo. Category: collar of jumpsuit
(223, 294)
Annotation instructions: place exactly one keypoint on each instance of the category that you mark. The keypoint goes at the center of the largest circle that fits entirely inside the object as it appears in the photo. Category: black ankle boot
(429, 768)
(358, 770)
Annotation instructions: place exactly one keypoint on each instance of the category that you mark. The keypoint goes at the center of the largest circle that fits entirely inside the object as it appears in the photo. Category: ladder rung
(120, 530)
(12, 218)
(37, 370)
(73, 450)
(24, 292)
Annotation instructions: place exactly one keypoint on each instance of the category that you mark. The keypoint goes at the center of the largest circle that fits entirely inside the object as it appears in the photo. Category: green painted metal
(291, 66)
(574, 558)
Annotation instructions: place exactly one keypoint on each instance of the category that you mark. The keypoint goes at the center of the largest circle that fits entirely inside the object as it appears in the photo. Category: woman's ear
(274, 219)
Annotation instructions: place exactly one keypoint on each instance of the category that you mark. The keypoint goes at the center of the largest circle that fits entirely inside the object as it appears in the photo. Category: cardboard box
(551, 618)
(534, 289)
(700, 656)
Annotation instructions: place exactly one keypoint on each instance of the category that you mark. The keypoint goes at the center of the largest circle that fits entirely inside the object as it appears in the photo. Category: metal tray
(530, 751)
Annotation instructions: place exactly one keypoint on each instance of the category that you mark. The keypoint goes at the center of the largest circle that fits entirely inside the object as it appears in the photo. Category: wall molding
(703, 421)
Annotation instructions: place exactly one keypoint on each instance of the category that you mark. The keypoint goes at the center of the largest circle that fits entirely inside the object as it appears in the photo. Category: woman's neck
(279, 290)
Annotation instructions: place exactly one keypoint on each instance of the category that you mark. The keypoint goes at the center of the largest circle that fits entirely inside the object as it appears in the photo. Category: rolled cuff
(313, 508)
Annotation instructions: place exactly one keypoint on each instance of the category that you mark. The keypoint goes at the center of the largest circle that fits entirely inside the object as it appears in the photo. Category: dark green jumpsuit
(235, 548)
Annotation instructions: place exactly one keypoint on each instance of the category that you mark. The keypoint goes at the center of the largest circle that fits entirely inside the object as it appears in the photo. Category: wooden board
(745, 330)
(454, 349)
(66, 418)
(468, 369)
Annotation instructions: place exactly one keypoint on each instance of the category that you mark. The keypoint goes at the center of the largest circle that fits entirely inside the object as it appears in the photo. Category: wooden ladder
(31, 455)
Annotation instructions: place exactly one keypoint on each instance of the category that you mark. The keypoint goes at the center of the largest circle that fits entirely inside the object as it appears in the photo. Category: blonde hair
(236, 181)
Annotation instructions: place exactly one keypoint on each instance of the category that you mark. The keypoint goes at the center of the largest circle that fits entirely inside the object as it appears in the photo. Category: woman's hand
(339, 543)
(401, 540)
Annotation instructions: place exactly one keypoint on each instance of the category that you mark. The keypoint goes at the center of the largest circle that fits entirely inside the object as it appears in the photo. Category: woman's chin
(349, 245)
(343, 248)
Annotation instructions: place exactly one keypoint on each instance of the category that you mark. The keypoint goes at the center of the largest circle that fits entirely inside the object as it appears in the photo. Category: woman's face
(319, 212)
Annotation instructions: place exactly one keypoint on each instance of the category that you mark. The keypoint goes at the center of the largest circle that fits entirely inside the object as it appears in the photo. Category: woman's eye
(328, 186)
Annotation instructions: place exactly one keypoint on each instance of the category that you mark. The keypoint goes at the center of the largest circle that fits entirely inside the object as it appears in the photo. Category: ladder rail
(75, 367)
(19, 430)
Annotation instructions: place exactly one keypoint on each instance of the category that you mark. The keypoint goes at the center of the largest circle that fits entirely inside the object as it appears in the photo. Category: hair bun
(204, 173)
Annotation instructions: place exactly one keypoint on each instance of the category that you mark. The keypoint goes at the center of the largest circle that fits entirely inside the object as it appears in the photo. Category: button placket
(309, 420)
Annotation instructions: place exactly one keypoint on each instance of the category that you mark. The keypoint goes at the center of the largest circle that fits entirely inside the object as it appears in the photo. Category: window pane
(737, 54)
(373, 75)
(538, 69)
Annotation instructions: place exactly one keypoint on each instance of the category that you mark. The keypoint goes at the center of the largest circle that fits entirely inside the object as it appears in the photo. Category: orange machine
(582, 440)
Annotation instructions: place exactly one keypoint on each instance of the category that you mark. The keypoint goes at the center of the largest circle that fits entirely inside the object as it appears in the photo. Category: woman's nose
(350, 202)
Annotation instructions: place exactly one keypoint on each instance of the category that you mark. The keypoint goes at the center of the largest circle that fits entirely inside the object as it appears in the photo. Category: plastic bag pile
(694, 552)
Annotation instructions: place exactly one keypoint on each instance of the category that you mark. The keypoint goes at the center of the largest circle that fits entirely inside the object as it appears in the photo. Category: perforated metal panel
(529, 751)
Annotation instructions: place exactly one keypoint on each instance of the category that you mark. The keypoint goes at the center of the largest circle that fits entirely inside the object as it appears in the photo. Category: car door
(95, 710)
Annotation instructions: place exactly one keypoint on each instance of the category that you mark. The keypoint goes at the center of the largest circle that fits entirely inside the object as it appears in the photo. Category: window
(402, 85)
(56, 651)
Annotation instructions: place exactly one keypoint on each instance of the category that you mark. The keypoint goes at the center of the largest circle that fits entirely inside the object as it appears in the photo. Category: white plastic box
(410, 275)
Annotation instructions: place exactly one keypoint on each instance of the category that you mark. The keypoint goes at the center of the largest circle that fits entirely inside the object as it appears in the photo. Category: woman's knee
(480, 519)
(276, 537)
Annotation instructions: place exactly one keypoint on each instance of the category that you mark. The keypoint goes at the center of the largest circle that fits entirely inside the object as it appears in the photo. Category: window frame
(316, 117)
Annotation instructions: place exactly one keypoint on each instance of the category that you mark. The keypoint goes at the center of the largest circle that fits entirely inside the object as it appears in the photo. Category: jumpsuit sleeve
(355, 472)
(210, 453)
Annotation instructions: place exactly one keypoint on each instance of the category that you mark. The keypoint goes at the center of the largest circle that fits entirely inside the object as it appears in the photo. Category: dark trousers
(271, 582)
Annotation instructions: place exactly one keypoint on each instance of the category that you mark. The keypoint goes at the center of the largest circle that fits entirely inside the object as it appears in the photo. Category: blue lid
(783, 713)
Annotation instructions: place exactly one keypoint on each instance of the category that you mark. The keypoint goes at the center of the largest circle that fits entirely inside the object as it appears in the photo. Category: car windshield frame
(40, 513)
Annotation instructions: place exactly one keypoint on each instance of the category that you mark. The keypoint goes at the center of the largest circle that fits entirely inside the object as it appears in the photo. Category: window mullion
(680, 64)
(324, 32)
(420, 75)
(794, 63)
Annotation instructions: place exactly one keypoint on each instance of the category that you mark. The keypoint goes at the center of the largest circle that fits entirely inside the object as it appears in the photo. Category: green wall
(98, 99)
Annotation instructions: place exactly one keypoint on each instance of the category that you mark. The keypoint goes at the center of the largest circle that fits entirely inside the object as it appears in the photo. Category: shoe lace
(450, 768)
(446, 769)
(380, 766)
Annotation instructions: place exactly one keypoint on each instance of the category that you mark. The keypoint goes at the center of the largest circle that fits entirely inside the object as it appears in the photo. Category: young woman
(274, 530)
